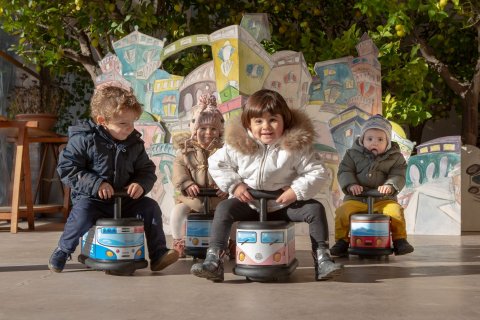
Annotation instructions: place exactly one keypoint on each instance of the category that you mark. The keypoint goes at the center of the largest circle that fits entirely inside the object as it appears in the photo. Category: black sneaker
(340, 248)
(401, 247)
(166, 259)
(58, 259)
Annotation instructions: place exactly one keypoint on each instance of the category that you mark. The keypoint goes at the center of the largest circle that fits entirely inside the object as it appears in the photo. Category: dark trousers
(85, 212)
(231, 210)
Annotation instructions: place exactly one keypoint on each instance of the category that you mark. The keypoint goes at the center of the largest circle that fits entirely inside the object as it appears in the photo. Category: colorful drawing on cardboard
(429, 195)
(342, 94)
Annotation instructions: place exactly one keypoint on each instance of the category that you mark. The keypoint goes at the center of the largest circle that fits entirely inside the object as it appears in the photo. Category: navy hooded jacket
(93, 156)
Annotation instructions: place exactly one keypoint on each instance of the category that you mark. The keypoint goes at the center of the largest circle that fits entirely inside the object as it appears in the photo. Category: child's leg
(149, 211)
(399, 231)
(342, 217)
(177, 219)
(395, 212)
(313, 213)
(226, 213)
(82, 217)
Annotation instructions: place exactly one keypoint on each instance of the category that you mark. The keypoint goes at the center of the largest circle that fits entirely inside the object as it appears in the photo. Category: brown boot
(179, 246)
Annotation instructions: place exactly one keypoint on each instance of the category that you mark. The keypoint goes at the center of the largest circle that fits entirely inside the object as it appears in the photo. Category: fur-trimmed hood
(183, 141)
(300, 136)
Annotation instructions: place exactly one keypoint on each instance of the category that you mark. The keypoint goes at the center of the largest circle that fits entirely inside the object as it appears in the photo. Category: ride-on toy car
(265, 249)
(116, 245)
(198, 225)
(370, 232)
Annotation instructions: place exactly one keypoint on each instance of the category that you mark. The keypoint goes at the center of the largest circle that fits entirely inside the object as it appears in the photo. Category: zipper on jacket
(118, 148)
(262, 167)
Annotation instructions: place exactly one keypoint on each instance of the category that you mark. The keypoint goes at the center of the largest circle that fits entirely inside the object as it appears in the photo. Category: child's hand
(355, 189)
(134, 190)
(105, 191)
(287, 197)
(385, 189)
(221, 194)
(242, 194)
(192, 191)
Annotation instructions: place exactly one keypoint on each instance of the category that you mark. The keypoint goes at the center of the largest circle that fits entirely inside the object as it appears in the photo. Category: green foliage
(75, 34)
(414, 91)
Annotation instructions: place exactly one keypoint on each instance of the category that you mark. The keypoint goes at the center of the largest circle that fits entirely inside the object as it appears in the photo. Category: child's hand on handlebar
(221, 194)
(134, 190)
(385, 189)
(287, 197)
(355, 189)
(105, 191)
(242, 194)
(192, 190)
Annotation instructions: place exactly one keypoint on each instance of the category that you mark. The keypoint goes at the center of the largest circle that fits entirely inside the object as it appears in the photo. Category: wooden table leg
(17, 177)
(28, 186)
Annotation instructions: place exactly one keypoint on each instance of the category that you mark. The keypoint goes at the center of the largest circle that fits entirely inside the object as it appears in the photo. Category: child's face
(268, 128)
(206, 134)
(121, 126)
(375, 140)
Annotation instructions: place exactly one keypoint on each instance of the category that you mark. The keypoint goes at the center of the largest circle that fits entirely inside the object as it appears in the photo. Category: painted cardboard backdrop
(340, 96)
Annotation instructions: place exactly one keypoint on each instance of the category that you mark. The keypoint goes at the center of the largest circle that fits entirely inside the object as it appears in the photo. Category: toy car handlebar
(371, 193)
(207, 192)
(117, 207)
(265, 194)
(120, 194)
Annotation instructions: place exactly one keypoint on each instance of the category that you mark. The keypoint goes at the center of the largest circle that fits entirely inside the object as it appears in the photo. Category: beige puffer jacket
(191, 167)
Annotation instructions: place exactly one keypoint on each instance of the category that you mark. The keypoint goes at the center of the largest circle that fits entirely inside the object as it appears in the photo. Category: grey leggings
(231, 210)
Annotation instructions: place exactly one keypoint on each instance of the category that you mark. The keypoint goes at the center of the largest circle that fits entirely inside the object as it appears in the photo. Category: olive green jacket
(362, 167)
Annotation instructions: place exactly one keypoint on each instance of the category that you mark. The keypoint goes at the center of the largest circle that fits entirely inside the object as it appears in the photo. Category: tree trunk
(415, 133)
(45, 83)
(470, 118)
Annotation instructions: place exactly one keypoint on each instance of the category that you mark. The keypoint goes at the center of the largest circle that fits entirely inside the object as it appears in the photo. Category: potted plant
(33, 103)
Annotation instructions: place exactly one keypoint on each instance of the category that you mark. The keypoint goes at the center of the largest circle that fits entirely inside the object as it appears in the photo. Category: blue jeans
(231, 210)
(85, 212)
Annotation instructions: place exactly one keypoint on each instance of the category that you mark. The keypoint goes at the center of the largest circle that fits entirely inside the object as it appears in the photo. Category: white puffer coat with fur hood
(290, 162)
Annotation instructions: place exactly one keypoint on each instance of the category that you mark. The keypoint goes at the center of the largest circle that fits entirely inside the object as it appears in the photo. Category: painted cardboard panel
(163, 155)
(429, 201)
(469, 196)
(291, 77)
(256, 24)
(339, 98)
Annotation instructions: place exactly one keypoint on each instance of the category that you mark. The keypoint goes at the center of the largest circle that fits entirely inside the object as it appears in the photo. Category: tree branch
(18, 64)
(453, 83)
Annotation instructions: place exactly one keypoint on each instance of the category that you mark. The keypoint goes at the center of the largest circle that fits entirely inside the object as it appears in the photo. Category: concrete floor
(440, 280)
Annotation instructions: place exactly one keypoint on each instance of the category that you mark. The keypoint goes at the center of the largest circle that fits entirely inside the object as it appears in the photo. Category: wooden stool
(22, 133)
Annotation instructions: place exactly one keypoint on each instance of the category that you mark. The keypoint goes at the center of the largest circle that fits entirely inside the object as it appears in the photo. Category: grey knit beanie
(378, 122)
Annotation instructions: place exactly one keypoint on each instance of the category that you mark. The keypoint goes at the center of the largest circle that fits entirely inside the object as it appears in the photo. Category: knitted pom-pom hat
(378, 122)
(206, 113)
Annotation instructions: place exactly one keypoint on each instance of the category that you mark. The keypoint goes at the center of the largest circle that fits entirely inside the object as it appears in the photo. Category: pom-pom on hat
(378, 122)
(206, 113)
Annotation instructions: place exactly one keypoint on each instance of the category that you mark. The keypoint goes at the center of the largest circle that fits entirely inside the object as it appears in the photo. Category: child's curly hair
(109, 101)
